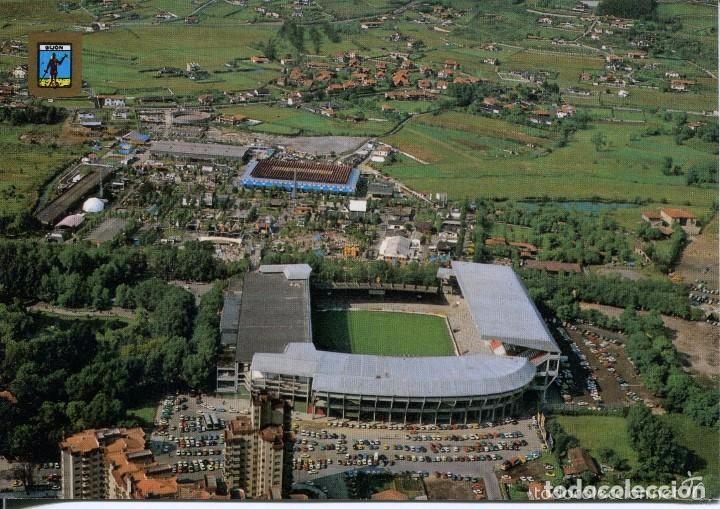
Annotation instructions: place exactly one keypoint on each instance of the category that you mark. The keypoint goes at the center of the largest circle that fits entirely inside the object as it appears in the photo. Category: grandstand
(301, 175)
(512, 351)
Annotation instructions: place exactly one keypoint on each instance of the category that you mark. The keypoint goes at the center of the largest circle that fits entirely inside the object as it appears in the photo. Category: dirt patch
(699, 260)
(697, 341)
(316, 145)
(447, 489)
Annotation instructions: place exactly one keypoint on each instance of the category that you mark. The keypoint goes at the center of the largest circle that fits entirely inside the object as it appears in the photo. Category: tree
(599, 140)
(270, 49)
(316, 39)
(628, 8)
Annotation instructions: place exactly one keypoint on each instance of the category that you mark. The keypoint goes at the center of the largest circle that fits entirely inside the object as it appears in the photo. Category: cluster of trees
(81, 275)
(33, 114)
(330, 32)
(327, 270)
(71, 375)
(18, 223)
(628, 8)
(562, 440)
(660, 457)
(660, 367)
(659, 454)
(702, 173)
(665, 257)
(560, 293)
(571, 236)
(294, 34)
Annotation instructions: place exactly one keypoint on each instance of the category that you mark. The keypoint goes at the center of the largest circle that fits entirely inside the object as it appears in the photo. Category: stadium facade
(513, 352)
(301, 175)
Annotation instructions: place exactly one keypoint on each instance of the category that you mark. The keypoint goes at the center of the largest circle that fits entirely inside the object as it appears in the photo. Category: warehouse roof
(501, 307)
(468, 375)
(274, 310)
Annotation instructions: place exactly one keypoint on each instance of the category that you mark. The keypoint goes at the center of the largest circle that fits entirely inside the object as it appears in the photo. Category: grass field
(382, 333)
(146, 413)
(475, 156)
(25, 166)
(703, 442)
(292, 121)
(595, 432)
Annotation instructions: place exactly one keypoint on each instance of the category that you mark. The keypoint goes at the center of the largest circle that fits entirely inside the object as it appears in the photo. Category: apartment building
(113, 464)
(254, 448)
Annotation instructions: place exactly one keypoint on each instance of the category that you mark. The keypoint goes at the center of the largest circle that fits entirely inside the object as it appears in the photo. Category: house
(351, 251)
(324, 75)
(637, 54)
(261, 92)
(451, 64)
(580, 462)
(294, 98)
(329, 110)
(466, 80)
(357, 208)
(234, 119)
(424, 84)
(296, 74)
(110, 101)
(564, 111)
(400, 79)
(684, 218)
(653, 217)
(540, 116)
(387, 107)
(681, 85)
(259, 59)
(491, 105)
(20, 72)
(380, 189)
(395, 248)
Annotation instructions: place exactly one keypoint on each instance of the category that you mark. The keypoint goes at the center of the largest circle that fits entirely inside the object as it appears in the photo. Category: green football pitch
(382, 333)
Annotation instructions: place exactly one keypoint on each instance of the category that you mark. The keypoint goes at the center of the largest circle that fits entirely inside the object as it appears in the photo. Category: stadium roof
(274, 310)
(342, 373)
(198, 150)
(291, 271)
(309, 171)
(501, 307)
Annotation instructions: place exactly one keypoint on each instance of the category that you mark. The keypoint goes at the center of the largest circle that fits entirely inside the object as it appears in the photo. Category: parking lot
(325, 447)
(187, 440)
(600, 373)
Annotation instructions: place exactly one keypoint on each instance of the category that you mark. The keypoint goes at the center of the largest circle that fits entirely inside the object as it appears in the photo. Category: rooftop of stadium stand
(342, 373)
(198, 150)
(501, 307)
(274, 310)
(307, 171)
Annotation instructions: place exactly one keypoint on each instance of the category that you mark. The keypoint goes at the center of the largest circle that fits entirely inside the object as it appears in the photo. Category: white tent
(93, 205)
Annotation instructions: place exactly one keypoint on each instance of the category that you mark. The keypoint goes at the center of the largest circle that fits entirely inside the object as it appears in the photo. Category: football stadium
(500, 348)
(301, 175)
